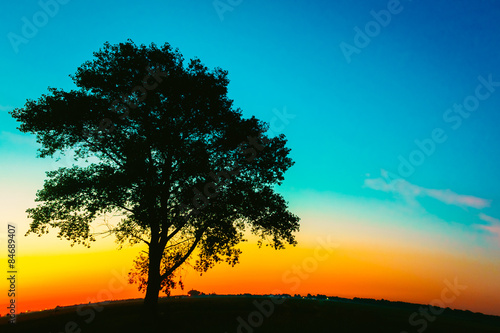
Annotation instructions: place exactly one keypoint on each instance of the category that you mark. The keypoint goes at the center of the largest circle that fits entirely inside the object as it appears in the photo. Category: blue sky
(349, 122)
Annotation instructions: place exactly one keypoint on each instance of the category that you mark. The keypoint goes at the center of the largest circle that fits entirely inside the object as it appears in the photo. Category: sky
(391, 110)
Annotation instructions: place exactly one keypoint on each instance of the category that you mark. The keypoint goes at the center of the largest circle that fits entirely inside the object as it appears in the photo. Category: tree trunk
(153, 288)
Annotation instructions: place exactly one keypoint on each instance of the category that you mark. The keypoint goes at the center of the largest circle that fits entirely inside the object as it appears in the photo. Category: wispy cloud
(451, 198)
(493, 227)
(6, 107)
(489, 219)
(17, 139)
(410, 192)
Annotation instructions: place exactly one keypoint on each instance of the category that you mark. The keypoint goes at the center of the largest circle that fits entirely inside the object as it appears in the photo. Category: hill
(249, 314)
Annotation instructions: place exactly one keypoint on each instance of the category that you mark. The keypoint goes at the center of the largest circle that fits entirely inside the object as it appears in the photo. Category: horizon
(390, 110)
(204, 295)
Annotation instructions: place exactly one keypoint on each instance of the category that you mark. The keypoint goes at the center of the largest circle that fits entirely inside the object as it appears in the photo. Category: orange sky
(377, 255)
(80, 275)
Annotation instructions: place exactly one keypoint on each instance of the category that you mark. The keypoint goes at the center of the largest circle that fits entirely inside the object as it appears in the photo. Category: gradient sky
(388, 167)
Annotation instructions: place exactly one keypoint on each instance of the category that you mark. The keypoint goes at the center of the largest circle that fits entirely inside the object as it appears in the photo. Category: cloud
(6, 107)
(410, 192)
(493, 228)
(489, 219)
(452, 198)
(18, 139)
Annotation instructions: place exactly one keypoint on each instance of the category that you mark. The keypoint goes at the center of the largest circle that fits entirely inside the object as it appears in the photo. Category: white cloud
(410, 192)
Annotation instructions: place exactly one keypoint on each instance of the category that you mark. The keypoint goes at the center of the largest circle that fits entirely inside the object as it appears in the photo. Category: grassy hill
(248, 314)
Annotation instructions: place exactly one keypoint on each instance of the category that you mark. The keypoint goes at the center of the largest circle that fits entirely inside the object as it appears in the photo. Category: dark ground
(241, 314)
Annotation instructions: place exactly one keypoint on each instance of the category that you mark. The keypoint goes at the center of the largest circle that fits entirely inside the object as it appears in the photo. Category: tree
(194, 292)
(180, 165)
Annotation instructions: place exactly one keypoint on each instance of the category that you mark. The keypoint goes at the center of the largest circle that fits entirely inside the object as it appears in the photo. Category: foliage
(175, 160)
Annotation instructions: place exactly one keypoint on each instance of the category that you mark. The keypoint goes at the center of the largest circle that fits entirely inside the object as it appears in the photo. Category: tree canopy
(176, 160)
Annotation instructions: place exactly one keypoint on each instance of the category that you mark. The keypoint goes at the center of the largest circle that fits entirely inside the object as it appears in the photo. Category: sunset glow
(395, 145)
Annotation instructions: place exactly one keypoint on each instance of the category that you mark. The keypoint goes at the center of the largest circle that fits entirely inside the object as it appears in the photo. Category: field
(247, 314)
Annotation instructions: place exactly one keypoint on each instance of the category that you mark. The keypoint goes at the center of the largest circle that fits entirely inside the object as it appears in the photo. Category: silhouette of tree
(176, 160)
(193, 293)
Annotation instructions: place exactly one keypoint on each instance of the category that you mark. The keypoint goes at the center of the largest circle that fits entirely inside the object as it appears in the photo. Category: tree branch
(125, 208)
(185, 257)
(115, 230)
(164, 237)
(184, 241)
(103, 150)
